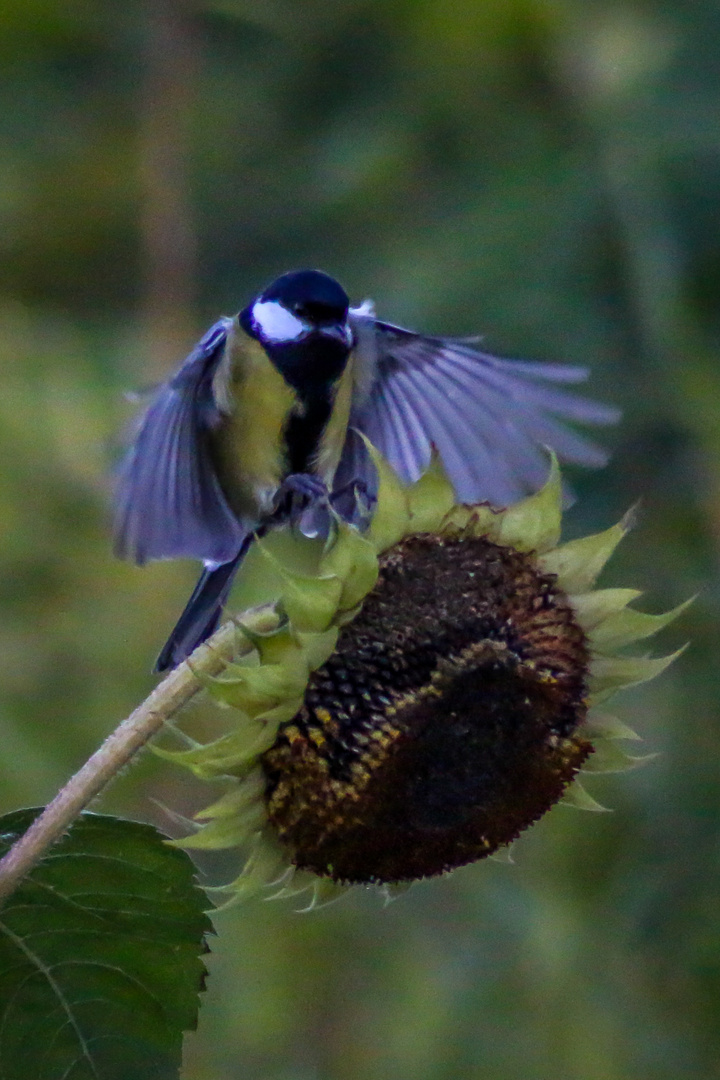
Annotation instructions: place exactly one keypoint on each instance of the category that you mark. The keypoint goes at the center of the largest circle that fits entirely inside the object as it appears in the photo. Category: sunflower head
(415, 697)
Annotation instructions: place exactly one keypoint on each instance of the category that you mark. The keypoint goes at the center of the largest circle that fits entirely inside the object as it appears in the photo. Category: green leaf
(100, 955)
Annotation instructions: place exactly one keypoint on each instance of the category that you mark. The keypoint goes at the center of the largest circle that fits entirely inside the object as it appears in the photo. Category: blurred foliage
(542, 171)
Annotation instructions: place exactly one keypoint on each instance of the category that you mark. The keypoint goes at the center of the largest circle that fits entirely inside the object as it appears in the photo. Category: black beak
(338, 332)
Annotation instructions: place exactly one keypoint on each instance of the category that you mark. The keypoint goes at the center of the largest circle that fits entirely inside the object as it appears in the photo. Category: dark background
(542, 171)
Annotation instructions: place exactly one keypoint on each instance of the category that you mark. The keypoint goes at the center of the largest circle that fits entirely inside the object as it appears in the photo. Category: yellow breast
(248, 446)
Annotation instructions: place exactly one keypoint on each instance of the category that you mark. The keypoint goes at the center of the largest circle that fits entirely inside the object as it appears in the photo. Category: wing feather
(490, 418)
(531, 408)
(517, 377)
(460, 446)
(523, 461)
(407, 436)
(169, 503)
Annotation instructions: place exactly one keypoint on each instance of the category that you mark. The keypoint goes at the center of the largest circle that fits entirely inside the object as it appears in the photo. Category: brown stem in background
(167, 225)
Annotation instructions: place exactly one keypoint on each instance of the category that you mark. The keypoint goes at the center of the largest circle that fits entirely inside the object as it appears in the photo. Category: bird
(272, 409)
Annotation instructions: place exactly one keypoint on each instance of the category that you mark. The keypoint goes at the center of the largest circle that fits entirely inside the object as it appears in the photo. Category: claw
(298, 493)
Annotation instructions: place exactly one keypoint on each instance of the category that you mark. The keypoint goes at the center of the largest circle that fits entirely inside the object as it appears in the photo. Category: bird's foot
(296, 494)
(304, 500)
(354, 503)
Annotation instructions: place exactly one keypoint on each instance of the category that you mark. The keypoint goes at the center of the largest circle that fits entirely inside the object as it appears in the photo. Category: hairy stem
(175, 691)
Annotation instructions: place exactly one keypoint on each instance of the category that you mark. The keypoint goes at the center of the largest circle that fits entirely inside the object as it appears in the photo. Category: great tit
(271, 400)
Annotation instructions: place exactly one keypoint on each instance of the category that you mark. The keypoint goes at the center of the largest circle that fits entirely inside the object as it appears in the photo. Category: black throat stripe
(304, 429)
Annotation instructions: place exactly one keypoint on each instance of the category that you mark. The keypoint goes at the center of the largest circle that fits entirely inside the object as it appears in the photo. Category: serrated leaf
(100, 955)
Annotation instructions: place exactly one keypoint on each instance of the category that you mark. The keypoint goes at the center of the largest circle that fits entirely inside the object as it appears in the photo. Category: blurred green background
(543, 171)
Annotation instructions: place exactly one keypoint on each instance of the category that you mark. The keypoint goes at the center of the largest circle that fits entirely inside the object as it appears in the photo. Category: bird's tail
(202, 611)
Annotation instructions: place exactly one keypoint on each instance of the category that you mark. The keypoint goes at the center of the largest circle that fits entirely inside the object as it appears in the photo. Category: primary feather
(169, 502)
(489, 418)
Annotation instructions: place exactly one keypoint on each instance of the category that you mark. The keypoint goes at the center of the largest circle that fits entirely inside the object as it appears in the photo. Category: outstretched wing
(169, 503)
(490, 419)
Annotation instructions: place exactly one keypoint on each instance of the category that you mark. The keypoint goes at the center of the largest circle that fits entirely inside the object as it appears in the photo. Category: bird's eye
(315, 311)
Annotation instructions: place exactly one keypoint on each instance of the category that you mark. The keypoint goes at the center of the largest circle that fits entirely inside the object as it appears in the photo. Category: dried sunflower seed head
(422, 695)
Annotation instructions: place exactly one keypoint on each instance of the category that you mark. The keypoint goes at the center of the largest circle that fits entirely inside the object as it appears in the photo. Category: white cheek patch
(275, 323)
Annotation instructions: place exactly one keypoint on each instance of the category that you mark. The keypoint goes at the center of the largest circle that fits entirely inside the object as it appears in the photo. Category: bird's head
(298, 306)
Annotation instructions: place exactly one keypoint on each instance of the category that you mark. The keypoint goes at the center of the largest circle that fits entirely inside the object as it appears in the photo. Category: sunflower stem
(168, 697)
